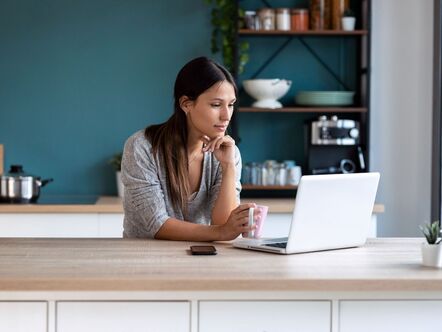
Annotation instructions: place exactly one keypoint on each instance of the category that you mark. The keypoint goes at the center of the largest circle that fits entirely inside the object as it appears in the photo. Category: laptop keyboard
(277, 244)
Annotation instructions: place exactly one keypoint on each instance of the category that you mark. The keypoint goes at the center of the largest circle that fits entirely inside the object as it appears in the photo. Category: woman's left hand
(223, 147)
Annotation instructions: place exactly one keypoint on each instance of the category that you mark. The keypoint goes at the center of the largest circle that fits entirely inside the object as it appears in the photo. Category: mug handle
(251, 211)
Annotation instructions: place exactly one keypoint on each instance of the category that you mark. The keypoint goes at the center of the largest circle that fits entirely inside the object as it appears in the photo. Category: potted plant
(432, 249)
(226, 18)
(115, 161)
(348, 20)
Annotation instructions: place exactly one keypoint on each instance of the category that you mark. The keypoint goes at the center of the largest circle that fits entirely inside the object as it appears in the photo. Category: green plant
(115, 161)
(348, 13)
(225, 20)
(431, 232)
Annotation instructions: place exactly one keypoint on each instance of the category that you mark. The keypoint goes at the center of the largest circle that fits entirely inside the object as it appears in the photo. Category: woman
(182, 177)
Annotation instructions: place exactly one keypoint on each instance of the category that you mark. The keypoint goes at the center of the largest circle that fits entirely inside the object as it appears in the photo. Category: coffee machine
(333, 146)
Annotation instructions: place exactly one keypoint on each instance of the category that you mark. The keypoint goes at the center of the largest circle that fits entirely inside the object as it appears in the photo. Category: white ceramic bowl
(267, 91)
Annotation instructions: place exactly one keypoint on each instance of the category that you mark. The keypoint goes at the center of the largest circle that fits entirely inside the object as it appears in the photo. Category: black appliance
(333, 146)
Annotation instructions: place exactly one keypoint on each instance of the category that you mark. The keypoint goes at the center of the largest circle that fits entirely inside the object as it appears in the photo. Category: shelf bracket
(322, 62)
(273, 56)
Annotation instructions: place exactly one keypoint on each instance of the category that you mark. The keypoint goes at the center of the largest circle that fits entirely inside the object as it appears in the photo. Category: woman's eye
(216, 105)
(231, 105)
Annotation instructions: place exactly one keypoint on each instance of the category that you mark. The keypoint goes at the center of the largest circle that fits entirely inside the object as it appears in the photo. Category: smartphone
(203, 250)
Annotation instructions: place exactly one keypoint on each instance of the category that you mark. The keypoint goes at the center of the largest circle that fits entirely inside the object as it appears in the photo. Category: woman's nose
(225, 113)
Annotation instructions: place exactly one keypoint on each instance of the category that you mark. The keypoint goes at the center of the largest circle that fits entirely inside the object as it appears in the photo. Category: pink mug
(260, 212)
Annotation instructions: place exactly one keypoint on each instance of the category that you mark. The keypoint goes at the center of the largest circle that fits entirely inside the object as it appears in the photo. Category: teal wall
(78, 77)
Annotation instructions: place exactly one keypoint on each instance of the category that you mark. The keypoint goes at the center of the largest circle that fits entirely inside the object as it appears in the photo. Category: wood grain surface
(131, 265)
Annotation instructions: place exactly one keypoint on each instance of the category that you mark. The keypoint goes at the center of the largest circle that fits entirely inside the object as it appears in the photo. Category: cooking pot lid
(16, 171)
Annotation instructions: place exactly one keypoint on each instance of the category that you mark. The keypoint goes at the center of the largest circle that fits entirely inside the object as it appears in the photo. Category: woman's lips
(221, 128)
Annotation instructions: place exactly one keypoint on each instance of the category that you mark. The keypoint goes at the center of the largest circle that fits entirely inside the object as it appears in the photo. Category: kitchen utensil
(324, 98)
(20, 187)
(267, 91)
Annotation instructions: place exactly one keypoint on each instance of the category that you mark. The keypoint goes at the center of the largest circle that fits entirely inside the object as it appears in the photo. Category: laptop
(331, 211)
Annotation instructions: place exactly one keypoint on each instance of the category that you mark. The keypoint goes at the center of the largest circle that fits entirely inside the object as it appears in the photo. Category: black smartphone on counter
(203, 250)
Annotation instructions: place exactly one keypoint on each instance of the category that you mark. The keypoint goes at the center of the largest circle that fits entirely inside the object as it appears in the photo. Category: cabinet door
(49, 225)
(23, 316)
(269, 316)
(110, 225)
(123, 316)
(387, 316)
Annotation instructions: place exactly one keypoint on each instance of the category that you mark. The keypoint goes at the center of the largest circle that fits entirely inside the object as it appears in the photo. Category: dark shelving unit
(360, 111)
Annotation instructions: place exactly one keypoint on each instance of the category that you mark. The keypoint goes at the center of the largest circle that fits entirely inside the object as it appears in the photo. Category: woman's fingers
(216, 142)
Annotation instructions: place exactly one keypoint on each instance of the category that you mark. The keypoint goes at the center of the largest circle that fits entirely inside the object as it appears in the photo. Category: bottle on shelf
(320, 14)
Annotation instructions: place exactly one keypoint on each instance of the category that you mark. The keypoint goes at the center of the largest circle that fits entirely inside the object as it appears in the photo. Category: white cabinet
(269, 316)
(23, 316)
(48, 225)
(110, 225)
(387, 316)
(76, 225)
(123, 316)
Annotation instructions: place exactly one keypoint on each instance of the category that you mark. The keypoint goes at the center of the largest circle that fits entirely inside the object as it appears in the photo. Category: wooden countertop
(154, 265)
(112, 204)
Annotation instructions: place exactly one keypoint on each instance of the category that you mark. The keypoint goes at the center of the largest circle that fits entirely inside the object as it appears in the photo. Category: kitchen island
(113, 284)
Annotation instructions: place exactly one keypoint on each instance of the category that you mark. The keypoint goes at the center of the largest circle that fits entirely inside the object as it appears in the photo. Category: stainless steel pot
(19, 187)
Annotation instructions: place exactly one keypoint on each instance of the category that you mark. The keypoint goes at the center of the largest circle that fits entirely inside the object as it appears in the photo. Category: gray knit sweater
(146, 202)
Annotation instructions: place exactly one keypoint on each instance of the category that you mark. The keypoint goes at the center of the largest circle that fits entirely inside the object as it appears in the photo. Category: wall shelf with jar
(305, 51)
(251, 32)
(304, 110)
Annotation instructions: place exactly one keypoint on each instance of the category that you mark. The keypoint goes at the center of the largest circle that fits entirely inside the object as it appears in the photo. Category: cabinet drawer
(48, 225)
(387, 316)
(23, 316)
(123, 316)
(269, 316)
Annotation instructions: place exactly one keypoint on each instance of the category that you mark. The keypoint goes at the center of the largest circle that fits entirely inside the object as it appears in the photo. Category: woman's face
(210, 113)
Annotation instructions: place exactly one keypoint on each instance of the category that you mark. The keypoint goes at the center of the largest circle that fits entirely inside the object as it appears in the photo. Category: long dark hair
(169, 139)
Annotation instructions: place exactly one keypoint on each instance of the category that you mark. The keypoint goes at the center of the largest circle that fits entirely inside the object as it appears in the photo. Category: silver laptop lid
(332, 211)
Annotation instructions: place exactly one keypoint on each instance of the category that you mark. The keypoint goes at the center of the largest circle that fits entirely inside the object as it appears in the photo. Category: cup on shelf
(348, 23)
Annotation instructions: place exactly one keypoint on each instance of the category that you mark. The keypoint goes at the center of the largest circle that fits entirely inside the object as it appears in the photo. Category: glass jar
(280, 175)
(246, 174)
(320, 14)
(255, 174)
(249, 19)
(266, 19)
(338, 8)
(294, 174)
(300, 19)
(283, 19)
(268, 172)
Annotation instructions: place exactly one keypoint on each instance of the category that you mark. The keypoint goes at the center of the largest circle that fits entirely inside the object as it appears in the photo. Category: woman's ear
(185, 104)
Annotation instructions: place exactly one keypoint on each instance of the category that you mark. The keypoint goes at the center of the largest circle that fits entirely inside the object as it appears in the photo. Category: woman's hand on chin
(223, 147)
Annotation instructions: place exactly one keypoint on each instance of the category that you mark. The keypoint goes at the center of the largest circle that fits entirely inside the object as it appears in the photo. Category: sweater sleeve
(144, 203)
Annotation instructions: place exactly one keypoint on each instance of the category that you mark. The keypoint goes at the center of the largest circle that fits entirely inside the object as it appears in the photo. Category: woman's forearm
(226, 200)
(174, 229)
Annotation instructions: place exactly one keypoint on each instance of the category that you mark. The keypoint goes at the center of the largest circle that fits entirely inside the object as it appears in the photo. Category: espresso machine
(333, 146)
